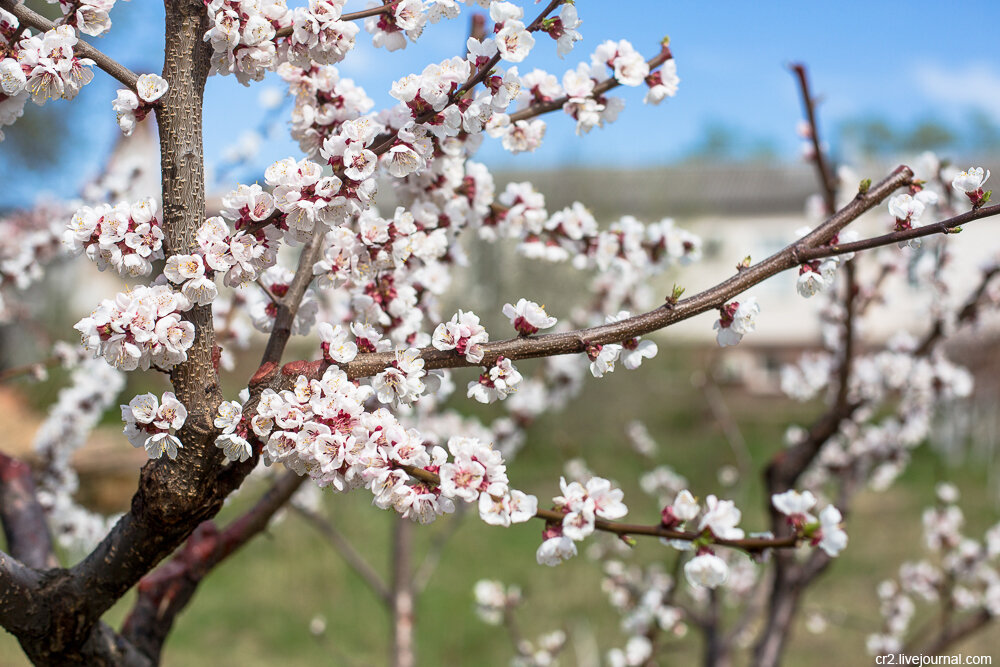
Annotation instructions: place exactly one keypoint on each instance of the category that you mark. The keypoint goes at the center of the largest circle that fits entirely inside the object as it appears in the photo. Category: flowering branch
(352, 16)
(751, 545)
(574, 342)
(949, 226)
(610, 83)
(27, 17)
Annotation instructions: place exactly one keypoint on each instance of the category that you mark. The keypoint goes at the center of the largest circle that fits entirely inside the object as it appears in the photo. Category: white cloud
(973, 84)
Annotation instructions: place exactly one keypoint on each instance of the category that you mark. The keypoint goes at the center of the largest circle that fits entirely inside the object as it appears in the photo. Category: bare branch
(827, 180)
(288, 307)
(342, 546)
(26, 17)
(954, 633)
(429, 564)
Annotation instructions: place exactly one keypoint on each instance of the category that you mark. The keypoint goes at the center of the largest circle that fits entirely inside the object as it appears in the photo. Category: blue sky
(901, 62)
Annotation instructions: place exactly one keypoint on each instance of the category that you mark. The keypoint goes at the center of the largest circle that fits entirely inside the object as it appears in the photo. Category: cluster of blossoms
(348, 153)
(581, 505)
(242, 255)
(249, 37)
(43, 67)
(321, 428)
(92, 389)
(126, 236)
(323, 102)
(464, 334)
(818, 275)
(631, 352)
(907, 209)
(736, 319)
(627, 246)
(960, 574)
(242, 36)
(140, 328)
(88, 16)
(719, 520)
(390, 29)
(918, 387)
(496, 382)
(401, 382)
(148, 423)
(132, 106)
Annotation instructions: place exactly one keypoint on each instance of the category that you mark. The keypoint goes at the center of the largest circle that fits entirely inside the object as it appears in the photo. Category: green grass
(256, 609)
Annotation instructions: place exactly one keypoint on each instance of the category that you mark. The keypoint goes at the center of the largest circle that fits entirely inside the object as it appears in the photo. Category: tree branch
(82, 49)
(604, 86)
(351, 16)
(827, 181)
(163, 594)
(749, 544)
(954, 633)
(573, 342)
(24, 524)
(347, 551)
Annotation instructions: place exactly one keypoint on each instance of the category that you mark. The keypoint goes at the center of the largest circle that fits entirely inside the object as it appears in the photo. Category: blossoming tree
(368, 413)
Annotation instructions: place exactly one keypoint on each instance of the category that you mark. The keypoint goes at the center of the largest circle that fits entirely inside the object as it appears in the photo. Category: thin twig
(347, 551)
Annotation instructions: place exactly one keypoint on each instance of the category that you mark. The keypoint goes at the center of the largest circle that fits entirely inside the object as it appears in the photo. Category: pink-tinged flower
(736, 320)
(181, 268)
(462, 478)
(830, 537)
(555, 550)
(684, 508)
(172, 414)
(336, 348)
(906, 210)
(228, 416)
(523, 506)
(706, 571)
(495, 383)
(463, 334)
(607, 500)
(528, 317)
